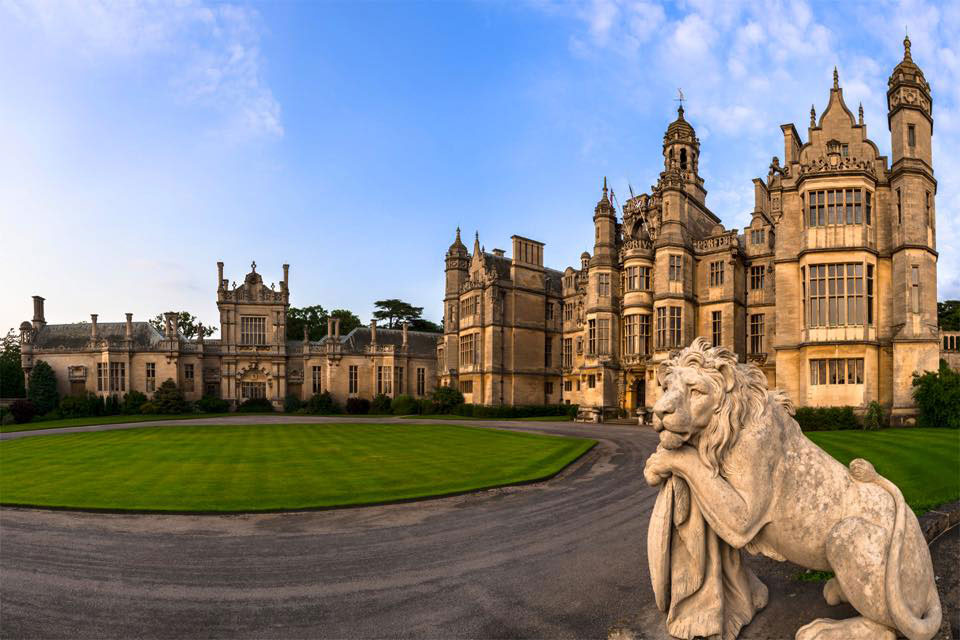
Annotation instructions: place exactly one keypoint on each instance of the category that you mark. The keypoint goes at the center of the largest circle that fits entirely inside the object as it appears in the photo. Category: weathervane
(681, 98)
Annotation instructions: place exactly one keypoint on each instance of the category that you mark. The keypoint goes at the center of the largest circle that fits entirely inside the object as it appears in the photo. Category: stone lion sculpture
(763, 486)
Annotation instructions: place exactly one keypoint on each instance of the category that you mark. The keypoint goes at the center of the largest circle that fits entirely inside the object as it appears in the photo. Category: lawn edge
(438, 496)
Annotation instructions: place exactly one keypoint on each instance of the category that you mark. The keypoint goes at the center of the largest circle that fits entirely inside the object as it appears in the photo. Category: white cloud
(211, 52)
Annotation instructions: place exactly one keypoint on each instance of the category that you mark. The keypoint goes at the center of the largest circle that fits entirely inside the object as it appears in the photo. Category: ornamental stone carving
(735, 472)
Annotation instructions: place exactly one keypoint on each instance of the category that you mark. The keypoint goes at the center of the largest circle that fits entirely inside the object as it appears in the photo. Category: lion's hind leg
(858, 628)
(856, 550)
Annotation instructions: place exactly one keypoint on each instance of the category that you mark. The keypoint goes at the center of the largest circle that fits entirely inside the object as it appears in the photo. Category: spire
(477, 251)
(906, 48)
(458, 234)
(836, 78)
(605, 187)
(860, 115)
(813, 117)
(457, 247)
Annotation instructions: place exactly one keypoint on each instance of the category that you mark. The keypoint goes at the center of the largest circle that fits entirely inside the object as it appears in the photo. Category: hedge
(827, 418)
(515, 410)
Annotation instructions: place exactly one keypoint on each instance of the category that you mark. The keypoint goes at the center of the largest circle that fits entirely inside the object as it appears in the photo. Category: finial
(813, 116)
(680, 98)
(836, 78)
(604, 185)
(860, 113)
(253, 265)
(458, 233)
(476, 236)
(906, 46)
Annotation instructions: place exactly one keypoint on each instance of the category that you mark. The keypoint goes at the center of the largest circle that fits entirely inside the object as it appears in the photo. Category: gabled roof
(76, 335)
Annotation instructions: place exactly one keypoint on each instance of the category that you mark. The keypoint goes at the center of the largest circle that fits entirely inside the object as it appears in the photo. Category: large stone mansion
(831, 289)
(254, 357)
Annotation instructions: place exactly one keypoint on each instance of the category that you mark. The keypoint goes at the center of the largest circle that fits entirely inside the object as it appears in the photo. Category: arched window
(683, 159)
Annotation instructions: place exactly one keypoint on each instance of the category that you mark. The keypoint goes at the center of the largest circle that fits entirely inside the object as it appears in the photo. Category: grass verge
(271, 467)
(924, 463)
(94, 420)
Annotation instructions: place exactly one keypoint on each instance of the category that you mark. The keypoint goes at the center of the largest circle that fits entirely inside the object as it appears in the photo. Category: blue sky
(144, 142)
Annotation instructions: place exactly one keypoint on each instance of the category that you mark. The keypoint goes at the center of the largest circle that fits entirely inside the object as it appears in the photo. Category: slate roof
(420, 343)
(76, 335)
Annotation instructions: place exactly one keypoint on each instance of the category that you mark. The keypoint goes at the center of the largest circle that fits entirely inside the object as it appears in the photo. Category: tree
(315, 319)
(168, 398)
(11, 373)
(186, 323)
(395, 312)
(422, 324)
(43, 388)
(348, 320)
(949, 315)
(937, 394)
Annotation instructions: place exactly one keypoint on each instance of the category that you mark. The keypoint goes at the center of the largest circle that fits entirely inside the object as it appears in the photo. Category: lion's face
(689, 402)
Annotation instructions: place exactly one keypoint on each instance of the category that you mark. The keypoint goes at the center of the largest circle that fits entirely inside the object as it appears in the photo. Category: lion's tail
(915, 628)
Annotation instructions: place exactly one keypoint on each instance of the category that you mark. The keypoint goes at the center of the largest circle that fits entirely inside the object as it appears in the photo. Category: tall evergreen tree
(43, 388)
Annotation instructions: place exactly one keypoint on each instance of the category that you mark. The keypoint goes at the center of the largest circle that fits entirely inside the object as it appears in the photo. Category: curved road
(564, 558)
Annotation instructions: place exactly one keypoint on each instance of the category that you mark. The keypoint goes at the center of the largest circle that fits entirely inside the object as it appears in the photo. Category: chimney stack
(129, 327)
(405, 326)
(373, 332)
(336, 328)
(93, 326)
(220, 283)
(286, 277)
(38, 319)
(329, 327)
(306, 334)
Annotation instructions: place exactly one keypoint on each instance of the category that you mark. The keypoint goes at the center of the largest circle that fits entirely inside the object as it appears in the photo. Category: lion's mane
(743, 392)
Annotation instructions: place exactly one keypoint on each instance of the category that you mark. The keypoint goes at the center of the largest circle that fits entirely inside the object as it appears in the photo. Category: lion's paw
(849, 629)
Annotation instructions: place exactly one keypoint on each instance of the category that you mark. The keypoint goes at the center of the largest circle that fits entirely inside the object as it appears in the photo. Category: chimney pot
(93, 326)
(129, 327)
(286, 277)
(336, 327)
(220, 283)
(329, 327)
(373, 332)
(406, 325)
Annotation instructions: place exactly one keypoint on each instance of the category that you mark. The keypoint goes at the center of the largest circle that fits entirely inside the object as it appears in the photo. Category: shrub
(132, 401)
(358, 406)
(168, 398)
(291, 404)
(22, 410)
(255, 405)
(827, 418)
(937, 394)
(322, 403)
(43, 388)
(426, 407)
(381, 404)
(148, 407)
(111, 405)
(405, 405)
(873, 419)
(445, 399)
(212, 404)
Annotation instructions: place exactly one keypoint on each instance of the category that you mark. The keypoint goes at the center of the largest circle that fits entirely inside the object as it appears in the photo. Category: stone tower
(457, 265)
(912, 226)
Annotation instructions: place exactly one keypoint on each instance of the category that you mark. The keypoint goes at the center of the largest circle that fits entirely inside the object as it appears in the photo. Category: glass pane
(833, 371)
(841, 374)
(823, 371)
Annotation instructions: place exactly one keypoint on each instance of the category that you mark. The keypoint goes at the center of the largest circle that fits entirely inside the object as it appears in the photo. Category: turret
(910, 110)
(681, 155)
(605, 230)
(457, 267)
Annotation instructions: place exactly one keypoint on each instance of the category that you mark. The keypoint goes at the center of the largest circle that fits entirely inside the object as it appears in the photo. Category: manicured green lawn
(271, 467)
(924, 463)
(450, 416)
(83, 422)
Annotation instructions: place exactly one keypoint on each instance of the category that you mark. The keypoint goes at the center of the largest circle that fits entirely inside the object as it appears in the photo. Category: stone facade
(831, 289)
(252, 358)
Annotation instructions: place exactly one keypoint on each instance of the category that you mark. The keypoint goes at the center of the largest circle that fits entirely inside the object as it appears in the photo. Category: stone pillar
(93, 326)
